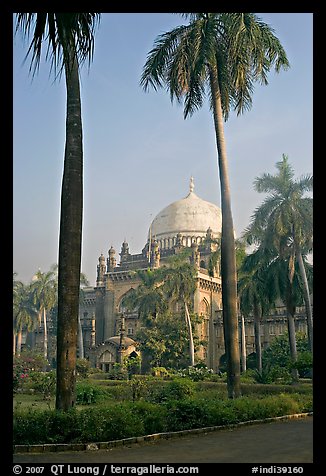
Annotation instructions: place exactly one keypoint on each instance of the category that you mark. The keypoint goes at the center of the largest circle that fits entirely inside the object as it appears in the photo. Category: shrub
(44, 383)
(86, 393)
(153, 416)
(118, 372)
(271, 374)
(160, 372)
(123, 420)
(109, 423)
(83, 368)
(138, 387)
(304, 363)
(177, 389)
(186, 414)
(196, 372)
(23, 365)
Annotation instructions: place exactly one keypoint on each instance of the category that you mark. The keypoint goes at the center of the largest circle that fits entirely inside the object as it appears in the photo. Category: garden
(120, 404)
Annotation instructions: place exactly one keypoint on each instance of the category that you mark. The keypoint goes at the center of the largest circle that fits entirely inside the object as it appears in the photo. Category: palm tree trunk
(70, 241)
(19, 341)
(14, 343)
(290, 311)
(243, 345)
(80, 339)
(293, 344)
(191, 340)
(257, 318)
(45, 335)
(306, 296)
(228, 262)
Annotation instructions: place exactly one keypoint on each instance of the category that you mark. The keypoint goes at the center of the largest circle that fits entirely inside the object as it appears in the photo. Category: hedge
(127, 419)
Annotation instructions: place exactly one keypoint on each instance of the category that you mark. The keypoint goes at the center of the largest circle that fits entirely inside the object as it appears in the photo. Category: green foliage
(167, 342)
(272, 374)
(161, 372)
(138, 387)
(118, 372)
(187, 414)
(277, 356)
(152, 416)
(87, 393)
(24, 365)
(304, 363)
(83, 368)
(44, 383)
(196, 373)
(132, 364)
(183, 409)
(177, 389)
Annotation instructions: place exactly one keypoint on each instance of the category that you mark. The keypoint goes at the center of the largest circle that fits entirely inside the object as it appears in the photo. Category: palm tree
(254, 296)
(179, 285)
(18, 288)
(222, 54)
(24, 313)
(44, 294)
(275, 266)
(148, 297)
(285, 220)
(70, 41)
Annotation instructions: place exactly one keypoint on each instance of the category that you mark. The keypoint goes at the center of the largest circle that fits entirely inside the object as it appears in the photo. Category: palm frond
(67, 35)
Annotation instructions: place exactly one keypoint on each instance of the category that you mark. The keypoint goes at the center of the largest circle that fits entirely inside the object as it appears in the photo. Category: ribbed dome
(191, 217)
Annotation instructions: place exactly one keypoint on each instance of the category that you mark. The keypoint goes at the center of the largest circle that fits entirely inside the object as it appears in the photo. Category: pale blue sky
(139, 152)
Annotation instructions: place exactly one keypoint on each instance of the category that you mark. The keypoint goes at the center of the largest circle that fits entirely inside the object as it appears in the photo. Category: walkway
(288, 441)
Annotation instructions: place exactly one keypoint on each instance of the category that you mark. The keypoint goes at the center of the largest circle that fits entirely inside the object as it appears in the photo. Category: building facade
(109, 329)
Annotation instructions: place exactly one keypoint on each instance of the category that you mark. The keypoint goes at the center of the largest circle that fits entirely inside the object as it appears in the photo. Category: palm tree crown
(239, 46)
(285, 211)
(67, 35)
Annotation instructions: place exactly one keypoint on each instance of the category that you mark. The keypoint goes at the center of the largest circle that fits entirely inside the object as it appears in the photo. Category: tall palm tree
(44, 293)
(254, 296)
(285, 220)
(24, 313)
(222, 55)
(179, 285)
(70, 41)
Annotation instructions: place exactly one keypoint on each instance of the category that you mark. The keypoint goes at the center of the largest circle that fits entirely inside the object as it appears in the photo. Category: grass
(113, 391)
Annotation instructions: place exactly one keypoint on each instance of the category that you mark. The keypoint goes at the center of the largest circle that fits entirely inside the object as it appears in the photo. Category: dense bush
(43, 383)
(176, 389)
(127, 419)
(278, 355)
(87, 393)
(83, 368)
(23, 365)
(196, 373)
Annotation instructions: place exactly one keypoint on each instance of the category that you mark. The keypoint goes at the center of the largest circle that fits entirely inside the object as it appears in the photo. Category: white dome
(191, 217)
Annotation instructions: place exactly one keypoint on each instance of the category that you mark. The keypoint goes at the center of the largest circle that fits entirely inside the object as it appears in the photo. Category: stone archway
(107, 356)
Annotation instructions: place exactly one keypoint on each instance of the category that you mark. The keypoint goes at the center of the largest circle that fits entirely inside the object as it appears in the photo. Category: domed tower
(186, 221)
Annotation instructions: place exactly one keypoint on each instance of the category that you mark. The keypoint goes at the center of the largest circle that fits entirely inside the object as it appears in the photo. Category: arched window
(122, 304)
(204, 308)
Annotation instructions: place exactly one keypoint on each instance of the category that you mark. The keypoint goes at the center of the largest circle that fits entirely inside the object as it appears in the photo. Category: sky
(139, 152)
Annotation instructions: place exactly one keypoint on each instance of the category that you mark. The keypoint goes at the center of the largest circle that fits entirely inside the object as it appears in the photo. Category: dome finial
(192, 185)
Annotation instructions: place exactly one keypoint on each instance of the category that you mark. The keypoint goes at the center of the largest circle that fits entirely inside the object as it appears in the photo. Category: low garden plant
(152, 405)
